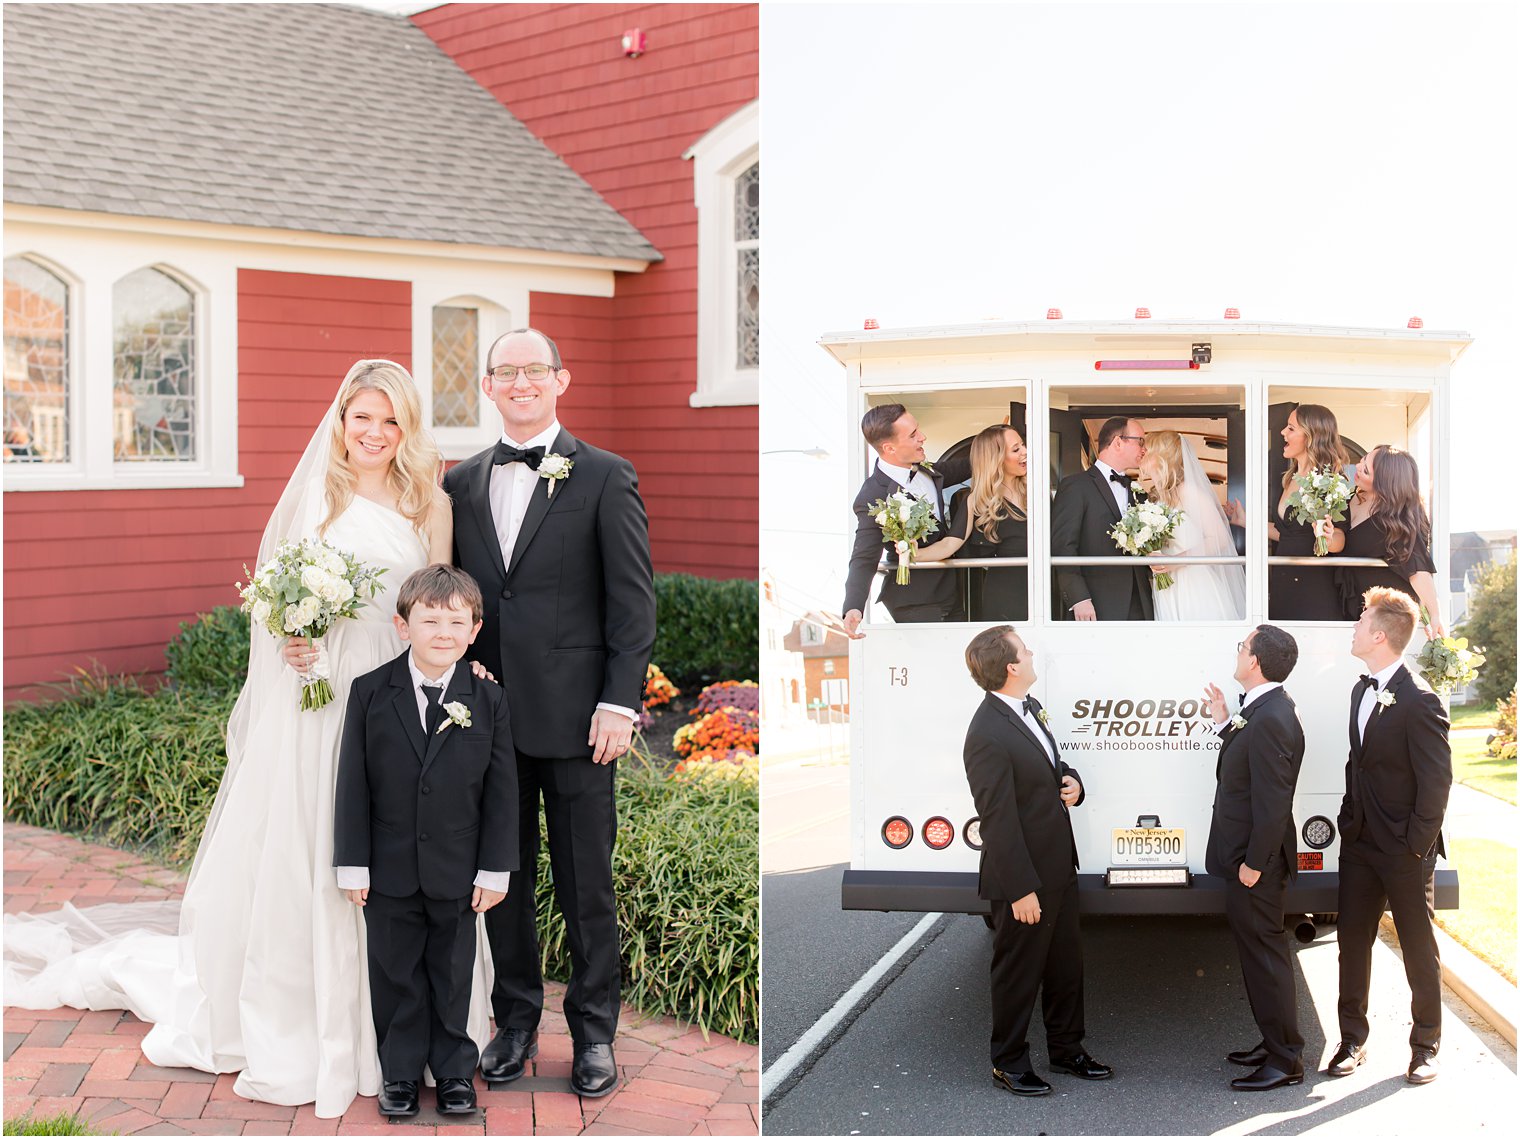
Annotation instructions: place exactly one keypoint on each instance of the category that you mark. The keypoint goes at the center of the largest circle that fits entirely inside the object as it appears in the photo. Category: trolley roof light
(1232, 314)
(1052, 314)
(1145, 365)
(1142, 313)
(872, 322)
(1416, 322)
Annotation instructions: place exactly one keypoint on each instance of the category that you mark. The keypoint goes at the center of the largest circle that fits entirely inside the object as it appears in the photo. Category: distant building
(1470, 550)
(783, 682)
(825, 653)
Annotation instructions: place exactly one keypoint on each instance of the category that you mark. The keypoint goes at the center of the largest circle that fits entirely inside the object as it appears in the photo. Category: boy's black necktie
(434, 695)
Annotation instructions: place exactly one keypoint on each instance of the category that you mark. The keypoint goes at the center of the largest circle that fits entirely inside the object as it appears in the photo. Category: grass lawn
(1486, 921)
(1473, 716)
(1471, 765)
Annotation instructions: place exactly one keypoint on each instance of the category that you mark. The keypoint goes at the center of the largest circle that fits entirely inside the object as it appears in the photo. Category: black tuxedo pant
(924, 614)
(1044, 957)
(1372, 881)
(581, 816)
(421, 961)
(1266, 962)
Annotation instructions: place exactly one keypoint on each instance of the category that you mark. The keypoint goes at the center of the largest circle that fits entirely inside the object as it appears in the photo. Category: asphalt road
(1164, 1004)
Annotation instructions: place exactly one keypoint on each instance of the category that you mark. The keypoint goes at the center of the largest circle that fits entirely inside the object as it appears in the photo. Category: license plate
(1148, 846)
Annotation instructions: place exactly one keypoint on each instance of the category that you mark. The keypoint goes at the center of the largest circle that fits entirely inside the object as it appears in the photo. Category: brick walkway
(675, 1082)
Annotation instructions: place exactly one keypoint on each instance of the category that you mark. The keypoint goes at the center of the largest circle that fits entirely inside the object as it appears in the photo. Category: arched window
(747, 267)
(37, 395)
(456, 366)
(154, 369)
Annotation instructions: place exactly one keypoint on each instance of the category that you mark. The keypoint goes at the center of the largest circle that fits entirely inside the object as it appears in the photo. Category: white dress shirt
(1251, 697)
(913, 480)
(510, 492)
(1120, 493)
(357, 877)
(1017, 704)
(1369, 698)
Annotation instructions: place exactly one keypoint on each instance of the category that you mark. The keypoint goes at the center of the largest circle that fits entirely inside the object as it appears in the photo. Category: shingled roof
(322, 118)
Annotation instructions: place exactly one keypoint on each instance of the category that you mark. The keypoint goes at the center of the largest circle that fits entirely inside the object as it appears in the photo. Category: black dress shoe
(507, 1056)
(1265, 1078)
(1020, 1083)
(1422, 1067)
(398, 1098)
(1253, 1057)
(456, 1096)
(1083, 1067)
(593, 1072)
(1347, 1059)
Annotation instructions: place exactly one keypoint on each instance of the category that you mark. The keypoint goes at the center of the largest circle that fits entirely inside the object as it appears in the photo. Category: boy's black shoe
(456, 1096)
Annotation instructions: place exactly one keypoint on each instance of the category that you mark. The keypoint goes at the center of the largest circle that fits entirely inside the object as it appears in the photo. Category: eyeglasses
(537, 372)
(1133, 438)
(1241, 646)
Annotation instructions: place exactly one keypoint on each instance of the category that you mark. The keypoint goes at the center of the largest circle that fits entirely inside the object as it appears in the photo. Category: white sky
(1353, 163)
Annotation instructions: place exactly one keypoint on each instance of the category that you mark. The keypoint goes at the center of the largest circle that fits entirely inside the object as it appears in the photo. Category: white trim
(717, 158)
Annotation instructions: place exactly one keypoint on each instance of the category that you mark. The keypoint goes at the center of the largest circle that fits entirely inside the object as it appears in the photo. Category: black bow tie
(1030, 707)
(506, 453)
(1240, 699)
(1121, 479)
(1369, 682)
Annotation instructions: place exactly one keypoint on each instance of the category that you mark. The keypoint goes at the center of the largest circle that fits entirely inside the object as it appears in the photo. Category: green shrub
(1490, 627)
(686, 874)
(210, 651)
(707, 629)
(131, 768)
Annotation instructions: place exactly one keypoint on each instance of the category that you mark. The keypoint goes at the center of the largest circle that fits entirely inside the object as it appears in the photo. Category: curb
(1475, 982)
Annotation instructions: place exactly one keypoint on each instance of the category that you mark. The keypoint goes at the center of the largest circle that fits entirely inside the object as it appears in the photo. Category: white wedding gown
(266, 975)
(1201, 593)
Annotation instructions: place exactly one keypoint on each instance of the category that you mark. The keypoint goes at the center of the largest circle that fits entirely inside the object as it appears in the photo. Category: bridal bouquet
(905, 520)
(1319, 495)
(1144, 529)
(305, 589)
(1447, 663)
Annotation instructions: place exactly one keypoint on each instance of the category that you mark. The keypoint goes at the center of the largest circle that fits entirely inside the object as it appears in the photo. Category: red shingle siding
(623, 125)
(107, 576)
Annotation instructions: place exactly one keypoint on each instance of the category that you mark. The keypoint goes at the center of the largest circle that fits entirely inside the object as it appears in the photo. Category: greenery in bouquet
(1322, 493)
(1144, 528)
(305, 589)
(905, 520)
(1447, 663)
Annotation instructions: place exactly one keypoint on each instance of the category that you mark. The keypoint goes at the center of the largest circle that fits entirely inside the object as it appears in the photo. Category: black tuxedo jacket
(1080, 518)
(929, 587)
(1253, 800)
(570, 619)
(425, 814)
(1027, 844)
(1398, 781)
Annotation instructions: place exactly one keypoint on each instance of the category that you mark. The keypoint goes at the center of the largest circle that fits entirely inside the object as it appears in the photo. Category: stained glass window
(155, 365)
(36, 364)
(747, 246)
(456, 366)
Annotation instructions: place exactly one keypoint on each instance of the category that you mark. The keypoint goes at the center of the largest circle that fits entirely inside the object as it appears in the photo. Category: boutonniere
(1237, 721)
(1385, 698)
(926, 466)
(457, 714)
(554, 468)
(1043, 716)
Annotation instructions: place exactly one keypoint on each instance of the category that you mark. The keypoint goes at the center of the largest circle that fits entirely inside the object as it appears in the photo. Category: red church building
(223, 206)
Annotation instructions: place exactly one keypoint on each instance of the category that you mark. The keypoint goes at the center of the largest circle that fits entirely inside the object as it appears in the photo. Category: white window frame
(493, 318)
(718, 158)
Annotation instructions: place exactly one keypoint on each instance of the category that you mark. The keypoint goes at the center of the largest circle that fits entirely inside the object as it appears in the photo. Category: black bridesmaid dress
(1302, 593)
(995, 594)
(1369, 539)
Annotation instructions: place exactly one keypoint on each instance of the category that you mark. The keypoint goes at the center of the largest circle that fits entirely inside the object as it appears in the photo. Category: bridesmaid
(1389, 521)
(991, 520)
(1311, 440)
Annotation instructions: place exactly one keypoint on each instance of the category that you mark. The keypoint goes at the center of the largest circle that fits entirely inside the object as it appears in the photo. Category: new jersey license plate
(1148, 846)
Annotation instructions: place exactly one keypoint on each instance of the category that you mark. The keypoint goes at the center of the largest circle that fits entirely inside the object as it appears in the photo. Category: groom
(556, 534)
(1086, 507)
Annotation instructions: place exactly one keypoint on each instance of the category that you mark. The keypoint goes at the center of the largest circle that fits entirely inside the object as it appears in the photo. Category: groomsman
(1397, 780)
(555, 532)
(1253, 847)
(1023, 791)
(1086, 507)
(930, 595)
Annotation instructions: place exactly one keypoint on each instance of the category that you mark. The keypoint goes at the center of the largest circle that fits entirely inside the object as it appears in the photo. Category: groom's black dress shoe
(507, 1056)
(1083, 1067)
(456, 1096)
(1422, 1067)
(1265, 1078)
(594, 1070)
(1020, 1083)
(1347, 1059)
(1253, 1057)
(398, 1098)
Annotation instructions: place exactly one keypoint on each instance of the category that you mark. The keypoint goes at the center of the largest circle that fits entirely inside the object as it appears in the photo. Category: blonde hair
(413, 474)
(1394, 614)
(990, 484)
(1323, 448)
(1164, 450)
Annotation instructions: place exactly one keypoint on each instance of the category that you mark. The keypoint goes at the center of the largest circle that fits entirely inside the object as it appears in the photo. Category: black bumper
(938, 892)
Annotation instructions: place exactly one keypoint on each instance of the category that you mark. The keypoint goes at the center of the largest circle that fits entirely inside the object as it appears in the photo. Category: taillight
(897, 832)
(938, 833)
(972, 833)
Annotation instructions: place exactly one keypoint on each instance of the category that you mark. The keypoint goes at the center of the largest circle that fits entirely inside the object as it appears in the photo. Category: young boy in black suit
(425, 822)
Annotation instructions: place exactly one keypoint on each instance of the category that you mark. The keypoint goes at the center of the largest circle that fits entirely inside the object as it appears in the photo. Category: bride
(1199, 592)
(261, 969)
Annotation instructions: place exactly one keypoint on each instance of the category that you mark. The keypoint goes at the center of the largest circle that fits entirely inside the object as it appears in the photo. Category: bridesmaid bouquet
(305, 589)
(1318, 495)
(1447, 663)
(1144, 529)
(905, 520)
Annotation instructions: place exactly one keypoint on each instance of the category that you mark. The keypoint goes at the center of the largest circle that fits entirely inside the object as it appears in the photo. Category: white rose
(312, 577)
(1144, 536)
(293, 620)
(345, 591)
(261, 611)
(333, 562)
